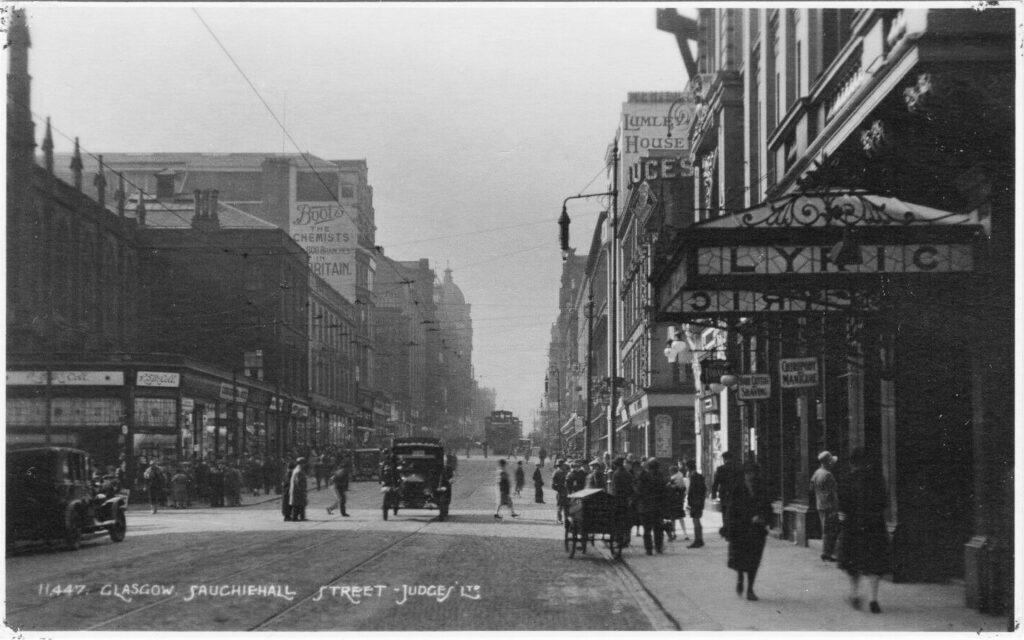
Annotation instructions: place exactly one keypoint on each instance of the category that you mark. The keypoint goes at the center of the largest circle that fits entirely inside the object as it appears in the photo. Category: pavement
(797, 590)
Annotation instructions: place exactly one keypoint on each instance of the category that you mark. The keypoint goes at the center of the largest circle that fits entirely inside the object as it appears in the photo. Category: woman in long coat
(863, 538)
(748, 517)
(298, 490)
(286, 483)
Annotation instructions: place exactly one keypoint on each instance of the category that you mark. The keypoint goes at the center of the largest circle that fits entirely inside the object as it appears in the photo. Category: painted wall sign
(644, 128)
(796, 373)
(157, 379)
(88, 378)
(794, 259)
(26, 378)
(659, 168)
(754, 386)
(330, 236)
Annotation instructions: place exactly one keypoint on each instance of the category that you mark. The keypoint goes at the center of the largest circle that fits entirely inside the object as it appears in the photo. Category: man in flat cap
(824, 485)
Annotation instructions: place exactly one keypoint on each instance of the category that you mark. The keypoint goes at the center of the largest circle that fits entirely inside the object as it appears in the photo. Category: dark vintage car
(415, 476)
(51, 497)
(365, 464)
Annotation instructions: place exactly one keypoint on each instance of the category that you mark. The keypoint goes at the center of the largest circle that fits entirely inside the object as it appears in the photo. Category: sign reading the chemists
(796, 373)
(329, 235)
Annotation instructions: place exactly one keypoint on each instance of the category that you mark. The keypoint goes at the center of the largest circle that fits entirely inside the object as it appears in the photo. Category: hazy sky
(475, 121)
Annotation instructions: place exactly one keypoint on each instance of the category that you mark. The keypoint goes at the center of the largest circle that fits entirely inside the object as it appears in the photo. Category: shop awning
(815, 251)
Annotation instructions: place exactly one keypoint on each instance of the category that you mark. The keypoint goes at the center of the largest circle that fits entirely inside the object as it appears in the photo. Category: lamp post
(563, 225)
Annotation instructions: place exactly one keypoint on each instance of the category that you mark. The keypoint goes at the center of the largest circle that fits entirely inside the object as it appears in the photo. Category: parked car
(51, 496)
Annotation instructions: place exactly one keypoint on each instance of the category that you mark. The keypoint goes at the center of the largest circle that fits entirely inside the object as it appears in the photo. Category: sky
(476, 121)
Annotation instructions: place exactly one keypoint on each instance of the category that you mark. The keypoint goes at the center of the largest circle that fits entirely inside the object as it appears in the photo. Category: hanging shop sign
(300, 410)
(157, 379)
(88, 378)
(711, 371)
(812, 259)
(797, 373)
(754, 386)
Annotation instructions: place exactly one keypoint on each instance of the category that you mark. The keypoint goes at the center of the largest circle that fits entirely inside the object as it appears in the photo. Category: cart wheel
(575, 540)
(385, 507)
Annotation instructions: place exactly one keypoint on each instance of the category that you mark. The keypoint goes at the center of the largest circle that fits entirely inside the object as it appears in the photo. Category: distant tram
(502, 432)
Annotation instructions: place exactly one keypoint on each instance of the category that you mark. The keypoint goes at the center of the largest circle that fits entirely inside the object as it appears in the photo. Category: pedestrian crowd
(655, 503)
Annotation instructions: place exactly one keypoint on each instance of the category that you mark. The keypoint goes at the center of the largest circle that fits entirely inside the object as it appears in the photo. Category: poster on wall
(663, 435)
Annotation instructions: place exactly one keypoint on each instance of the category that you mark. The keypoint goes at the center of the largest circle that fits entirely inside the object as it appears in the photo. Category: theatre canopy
(816, 251)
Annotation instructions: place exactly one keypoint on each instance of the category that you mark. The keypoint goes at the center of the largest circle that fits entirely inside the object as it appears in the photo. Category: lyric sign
(807, 259)
(798, 373)
(740, 301)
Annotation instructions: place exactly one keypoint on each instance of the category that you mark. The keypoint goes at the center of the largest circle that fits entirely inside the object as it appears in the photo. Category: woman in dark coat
(298, 490)
(651, 491)
(863, 538)
(748, 516)
(286, 481)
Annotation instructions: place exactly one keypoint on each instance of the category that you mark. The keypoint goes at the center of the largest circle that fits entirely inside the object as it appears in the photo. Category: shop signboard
(157, 379)
(754, 386)
(33, 378)
(88, 378)
(241, 394)
(798, 373)
(713, 301)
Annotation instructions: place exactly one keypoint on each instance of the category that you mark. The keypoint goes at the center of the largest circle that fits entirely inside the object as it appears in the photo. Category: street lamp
(563, 224)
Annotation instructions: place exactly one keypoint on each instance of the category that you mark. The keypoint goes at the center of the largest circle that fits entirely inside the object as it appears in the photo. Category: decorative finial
(100, 181)
(120, 196)
(48, 148)
(76, 166)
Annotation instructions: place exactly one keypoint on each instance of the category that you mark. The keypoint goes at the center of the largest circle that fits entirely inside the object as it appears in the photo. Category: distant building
(455, 354)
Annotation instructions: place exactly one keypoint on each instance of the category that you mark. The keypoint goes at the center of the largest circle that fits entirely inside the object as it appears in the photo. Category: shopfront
(820, 297)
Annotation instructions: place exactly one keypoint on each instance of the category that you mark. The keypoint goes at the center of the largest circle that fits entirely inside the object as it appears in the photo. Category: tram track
(235, 576)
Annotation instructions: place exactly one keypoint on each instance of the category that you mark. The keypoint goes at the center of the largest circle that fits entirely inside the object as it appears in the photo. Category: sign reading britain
(329, 234)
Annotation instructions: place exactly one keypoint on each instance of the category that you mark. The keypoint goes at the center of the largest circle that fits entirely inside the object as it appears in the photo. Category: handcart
(593, 512)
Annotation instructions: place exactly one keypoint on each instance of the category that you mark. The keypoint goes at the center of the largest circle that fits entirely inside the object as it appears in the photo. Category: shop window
(155, 412)
(86, 412)
(26, 412)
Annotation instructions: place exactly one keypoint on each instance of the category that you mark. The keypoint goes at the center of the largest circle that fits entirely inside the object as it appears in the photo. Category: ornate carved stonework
(707, 168)
(875, 139)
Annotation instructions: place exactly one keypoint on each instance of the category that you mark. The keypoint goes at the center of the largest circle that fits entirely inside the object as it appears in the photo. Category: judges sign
(795, 373)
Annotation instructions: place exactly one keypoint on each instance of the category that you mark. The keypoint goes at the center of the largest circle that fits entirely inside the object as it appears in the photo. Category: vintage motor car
(365, 464)
(51, 497)
(415, 476)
